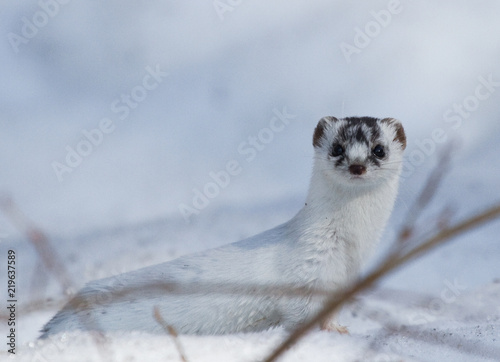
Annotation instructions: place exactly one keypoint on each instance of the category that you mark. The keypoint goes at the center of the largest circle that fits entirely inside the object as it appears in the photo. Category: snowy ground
(228, 75)
(457, 319)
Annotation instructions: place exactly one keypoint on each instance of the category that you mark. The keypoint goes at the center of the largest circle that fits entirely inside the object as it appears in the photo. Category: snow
(119, 209)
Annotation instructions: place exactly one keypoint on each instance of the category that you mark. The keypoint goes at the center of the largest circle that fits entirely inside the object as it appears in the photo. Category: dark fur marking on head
(400, 132)
(320, 129)
(375, 135)
(318, 134)
(360, 136)
(342, 133)
(369, 121)
(361, 129)
(373, 159)
(400, 135)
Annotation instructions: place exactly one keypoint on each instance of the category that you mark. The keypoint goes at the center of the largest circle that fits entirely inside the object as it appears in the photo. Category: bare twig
(40, 242)
(50, 260)
(116, 292)
(445, 217)
(171, 331)
(36, 305)
(426, 195)
(78, 302)
(391, 263)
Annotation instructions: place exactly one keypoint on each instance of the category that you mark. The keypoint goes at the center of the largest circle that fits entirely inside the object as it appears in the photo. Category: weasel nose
(357, 169)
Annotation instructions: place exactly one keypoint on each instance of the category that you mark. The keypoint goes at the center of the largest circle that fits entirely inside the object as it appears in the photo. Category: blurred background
(182, 88)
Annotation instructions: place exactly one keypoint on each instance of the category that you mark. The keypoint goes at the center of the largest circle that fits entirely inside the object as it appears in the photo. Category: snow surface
(119, 210)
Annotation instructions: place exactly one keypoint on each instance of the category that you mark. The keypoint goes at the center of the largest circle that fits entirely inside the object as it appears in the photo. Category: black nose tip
(357, 169)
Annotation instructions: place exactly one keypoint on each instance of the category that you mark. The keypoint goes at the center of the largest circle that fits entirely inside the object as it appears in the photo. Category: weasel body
(352, 192)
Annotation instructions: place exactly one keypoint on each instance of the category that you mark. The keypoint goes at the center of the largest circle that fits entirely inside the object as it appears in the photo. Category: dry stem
(171, 331)
(40, 242)
(426, 195)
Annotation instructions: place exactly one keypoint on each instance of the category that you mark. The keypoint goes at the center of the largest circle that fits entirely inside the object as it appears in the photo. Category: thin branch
(425, 197)
(116, 292)
(36, 305)
(51, 261)
(40, 242)
(171, 331)
(391, 263)
(168, 287)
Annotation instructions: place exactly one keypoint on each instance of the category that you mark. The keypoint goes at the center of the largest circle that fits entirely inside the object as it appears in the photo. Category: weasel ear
(400, 132)
(320, 129)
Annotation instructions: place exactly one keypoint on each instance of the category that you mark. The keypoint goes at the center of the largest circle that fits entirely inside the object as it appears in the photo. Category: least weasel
(357, 163)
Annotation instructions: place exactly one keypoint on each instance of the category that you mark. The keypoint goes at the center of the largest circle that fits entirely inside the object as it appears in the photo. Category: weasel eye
(378, 151)
(337, 150)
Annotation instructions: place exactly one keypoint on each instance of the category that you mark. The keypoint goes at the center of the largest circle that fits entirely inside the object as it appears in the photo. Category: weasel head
(357, 151)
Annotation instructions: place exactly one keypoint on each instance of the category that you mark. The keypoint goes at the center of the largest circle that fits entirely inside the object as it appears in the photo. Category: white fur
(322, 247)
